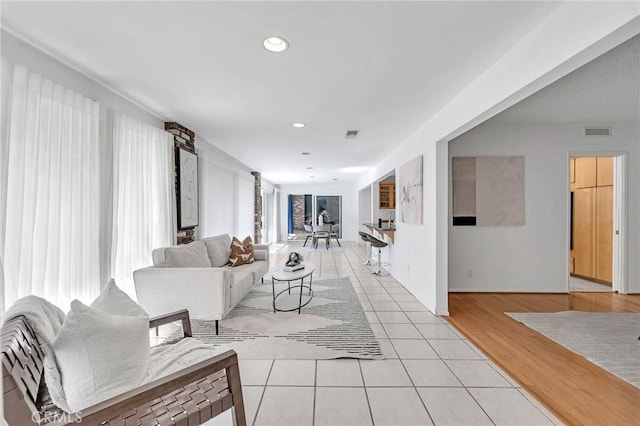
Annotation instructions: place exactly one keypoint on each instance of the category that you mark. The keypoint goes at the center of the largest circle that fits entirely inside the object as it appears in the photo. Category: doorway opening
(307, 210)
(595, 225)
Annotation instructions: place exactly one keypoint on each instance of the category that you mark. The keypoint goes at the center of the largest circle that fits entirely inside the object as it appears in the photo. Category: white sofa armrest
(261, 252)
(204, 291)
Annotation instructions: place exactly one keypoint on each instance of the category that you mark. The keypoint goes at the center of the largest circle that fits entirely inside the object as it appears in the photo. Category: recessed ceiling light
(306, 153)
(309, 168)
(275, 44)
(298, 125)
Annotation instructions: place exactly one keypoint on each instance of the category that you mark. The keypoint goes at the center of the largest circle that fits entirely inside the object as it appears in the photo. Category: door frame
(620, 224)
(619, 241)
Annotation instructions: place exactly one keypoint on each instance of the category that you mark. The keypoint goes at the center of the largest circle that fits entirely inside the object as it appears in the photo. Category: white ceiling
(381, 67)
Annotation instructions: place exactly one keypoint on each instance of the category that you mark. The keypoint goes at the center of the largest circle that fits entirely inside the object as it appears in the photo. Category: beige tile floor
(578, 284)
(430, 375)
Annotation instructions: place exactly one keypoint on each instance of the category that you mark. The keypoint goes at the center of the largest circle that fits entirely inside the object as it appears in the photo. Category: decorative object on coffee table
(294, 263)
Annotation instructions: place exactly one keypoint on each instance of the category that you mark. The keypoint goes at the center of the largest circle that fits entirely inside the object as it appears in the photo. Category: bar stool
(365, 237)
(379, 244)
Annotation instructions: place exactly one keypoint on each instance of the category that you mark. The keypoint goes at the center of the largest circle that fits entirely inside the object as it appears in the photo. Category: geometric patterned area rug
(332, 325)
(609, 340)
(321, 247)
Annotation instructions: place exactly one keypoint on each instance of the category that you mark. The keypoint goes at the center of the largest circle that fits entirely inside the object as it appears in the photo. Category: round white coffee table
(279, 274)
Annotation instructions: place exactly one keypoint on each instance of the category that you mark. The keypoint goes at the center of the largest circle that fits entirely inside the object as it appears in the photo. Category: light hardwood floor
(577, 391)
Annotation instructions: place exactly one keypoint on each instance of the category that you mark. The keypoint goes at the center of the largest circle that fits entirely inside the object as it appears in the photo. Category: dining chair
(335, 231)
(322, 231)
(309, 230)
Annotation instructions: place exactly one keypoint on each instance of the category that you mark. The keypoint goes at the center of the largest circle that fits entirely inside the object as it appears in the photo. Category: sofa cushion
(100, 355)
(168, 359)
(241, 252)
(193, 254)
(259, 268)
(218, 249)
(242, 276)
(241, 282)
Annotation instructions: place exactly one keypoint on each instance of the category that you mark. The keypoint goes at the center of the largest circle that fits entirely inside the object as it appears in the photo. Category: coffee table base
(300, 304)
(302, 286)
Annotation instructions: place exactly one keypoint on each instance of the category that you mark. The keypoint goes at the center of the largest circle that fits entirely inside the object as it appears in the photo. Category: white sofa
(209, 290)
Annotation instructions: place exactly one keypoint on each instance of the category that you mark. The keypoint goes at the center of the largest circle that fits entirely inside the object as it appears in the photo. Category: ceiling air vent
(352, 134)
(597, 131)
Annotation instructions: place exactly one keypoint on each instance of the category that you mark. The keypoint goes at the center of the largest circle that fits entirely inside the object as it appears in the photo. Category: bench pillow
(100, 351)
(100, 355)
(114, 301)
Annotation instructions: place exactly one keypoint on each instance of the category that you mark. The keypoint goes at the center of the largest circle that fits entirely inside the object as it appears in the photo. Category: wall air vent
(351, 134)
(597, 131)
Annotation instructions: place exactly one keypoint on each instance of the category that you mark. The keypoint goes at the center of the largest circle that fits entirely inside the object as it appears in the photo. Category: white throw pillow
(101, 355)
(193, 254)
(218, 249)
(114, 301)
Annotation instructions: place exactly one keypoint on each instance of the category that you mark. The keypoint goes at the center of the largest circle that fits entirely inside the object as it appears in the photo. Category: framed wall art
(488, 191)
(187, 189)
(410, 180)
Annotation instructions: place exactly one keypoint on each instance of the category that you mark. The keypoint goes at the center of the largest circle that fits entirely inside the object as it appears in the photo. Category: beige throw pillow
(218, 249)
(241, 252)
(189, 255)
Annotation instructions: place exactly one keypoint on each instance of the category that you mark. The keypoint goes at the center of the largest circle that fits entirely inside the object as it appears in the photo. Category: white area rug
(609, 340)
(332, 325)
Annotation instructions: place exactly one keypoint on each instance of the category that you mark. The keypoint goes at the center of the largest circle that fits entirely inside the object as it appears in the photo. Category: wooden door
(605, 171)
(604, 233)
(585, 172)
(584, 231)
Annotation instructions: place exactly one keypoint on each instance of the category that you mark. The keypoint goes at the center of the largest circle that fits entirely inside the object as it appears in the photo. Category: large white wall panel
(226, 194)
(534, 257)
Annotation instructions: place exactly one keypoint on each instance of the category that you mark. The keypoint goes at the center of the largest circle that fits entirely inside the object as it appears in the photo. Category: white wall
(349, 195)
(534, 257)
(365, 206)
(226, 189)
(418, 257)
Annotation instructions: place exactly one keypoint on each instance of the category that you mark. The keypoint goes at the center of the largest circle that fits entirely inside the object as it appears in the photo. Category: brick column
(185, 139)
(257, 207)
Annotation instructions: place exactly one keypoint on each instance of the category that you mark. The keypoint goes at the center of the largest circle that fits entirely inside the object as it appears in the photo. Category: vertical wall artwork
(188, 189)
(410, 180)
(488, 191)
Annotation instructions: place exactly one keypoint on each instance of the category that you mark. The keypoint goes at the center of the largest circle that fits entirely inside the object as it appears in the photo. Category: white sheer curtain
(144, 215)
(51, 225)
(267, 216)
